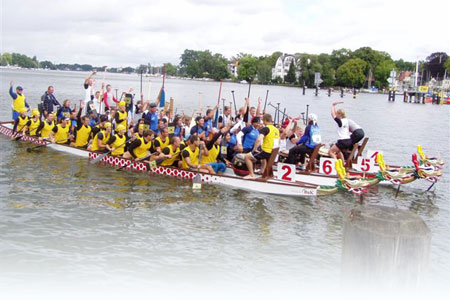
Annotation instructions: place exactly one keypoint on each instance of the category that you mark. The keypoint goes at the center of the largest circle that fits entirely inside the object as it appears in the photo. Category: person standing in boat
(49, 100)
(344, 141)
(151, 117)
(268, 140)
(88, 83)
(108, 98)
(19, 100)
(306, 144)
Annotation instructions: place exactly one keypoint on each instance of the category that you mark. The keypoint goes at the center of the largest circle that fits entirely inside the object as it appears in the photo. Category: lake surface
(67, 223)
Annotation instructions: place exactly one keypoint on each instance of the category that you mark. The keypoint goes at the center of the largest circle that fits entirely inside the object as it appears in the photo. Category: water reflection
(384, 248)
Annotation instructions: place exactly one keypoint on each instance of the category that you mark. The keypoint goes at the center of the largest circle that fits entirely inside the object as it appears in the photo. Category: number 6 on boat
(327, 166)
(286, 172)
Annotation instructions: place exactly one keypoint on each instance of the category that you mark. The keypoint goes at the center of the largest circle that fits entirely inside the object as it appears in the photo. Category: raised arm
(86, 81)
(258, 108)
(333, 109)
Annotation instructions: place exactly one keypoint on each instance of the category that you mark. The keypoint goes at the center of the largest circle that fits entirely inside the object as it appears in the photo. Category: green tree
(351, 73)
(447, 66)
(171, 70)
(6, 59)
(339, 57)
(247, 68)
(23, 61)
(382, 73)
(290, 76)
(264, 71)
(47, 65)
(309, 64)
(402, 65)
(328, 73)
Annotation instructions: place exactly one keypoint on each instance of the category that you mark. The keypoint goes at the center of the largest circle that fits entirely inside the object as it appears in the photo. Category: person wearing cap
(45, 128)
(268, 139)
(151, 117)
(19, 100)
(140, 131)
(121, 115)
(20, 123)
(172, 151)
(49, 100)
(209, 119)
(83, 131)
(61, 133)
(250, 134)
(101, 138)
(306, 144)
(116, 143)
(34, 122)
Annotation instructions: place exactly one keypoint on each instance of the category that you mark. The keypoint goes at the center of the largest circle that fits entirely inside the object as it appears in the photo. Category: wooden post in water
(317, 91)
(342, 93)
(405, 96)
(354, 93)
(329, 92)
(384, 248)
(304, 88)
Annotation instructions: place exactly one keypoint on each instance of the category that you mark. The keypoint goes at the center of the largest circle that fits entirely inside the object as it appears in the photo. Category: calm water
(64, 222)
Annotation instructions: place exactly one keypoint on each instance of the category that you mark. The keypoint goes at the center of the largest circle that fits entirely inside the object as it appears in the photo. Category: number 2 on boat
(327, 166)
(286, 172)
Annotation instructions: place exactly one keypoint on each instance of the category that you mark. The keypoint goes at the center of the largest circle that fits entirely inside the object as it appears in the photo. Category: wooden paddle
(197, 183)
(99, 158)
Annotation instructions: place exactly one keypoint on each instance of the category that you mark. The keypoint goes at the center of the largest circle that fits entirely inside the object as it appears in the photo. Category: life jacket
(94, 145)
(269, 139)
(137, 135)
(193, 156)
(213, 153)
(142, 150)
(62, 135)
(250, 138)
(314, 137)
(162, 144)
(170, 161)
(122, 116)
(83, 136)
(22, 123)
(34, 124)
(119, 144)
(19, 102)
(45, 132)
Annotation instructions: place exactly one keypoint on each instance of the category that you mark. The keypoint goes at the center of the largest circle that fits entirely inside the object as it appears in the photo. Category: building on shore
(232, 68)
(282, 65)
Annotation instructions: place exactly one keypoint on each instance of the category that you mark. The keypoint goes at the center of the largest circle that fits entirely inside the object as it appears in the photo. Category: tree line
(343, 67)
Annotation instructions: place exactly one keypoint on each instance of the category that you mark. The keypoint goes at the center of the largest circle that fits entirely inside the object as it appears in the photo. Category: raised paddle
(99, 158)
(265, 102)
(197, 184)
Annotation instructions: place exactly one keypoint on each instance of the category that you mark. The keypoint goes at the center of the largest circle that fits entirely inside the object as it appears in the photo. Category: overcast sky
(131, 32)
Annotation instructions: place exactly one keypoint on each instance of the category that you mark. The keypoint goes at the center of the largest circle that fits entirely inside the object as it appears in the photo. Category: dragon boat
(298, 184)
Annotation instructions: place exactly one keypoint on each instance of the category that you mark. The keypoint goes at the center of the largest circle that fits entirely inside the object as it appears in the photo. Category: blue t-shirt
(250, 136)
(152, 120)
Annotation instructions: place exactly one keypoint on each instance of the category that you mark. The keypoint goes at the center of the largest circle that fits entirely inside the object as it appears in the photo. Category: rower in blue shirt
(251, 133)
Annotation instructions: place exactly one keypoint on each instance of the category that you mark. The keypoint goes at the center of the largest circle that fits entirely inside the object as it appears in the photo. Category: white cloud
(130, 32)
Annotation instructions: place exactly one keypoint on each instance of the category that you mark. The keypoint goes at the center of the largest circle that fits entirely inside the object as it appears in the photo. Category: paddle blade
(197, 184)
(99, 158)
(216, 118)
(162, 101)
